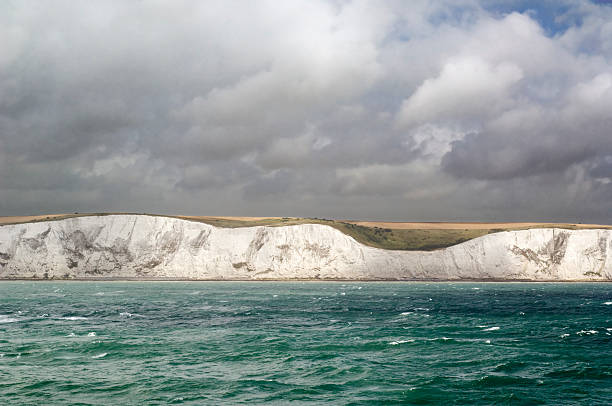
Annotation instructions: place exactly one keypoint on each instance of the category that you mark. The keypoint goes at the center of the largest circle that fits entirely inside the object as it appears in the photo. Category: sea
(305, 343)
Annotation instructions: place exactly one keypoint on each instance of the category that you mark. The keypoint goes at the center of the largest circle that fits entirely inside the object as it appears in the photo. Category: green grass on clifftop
(386, 238)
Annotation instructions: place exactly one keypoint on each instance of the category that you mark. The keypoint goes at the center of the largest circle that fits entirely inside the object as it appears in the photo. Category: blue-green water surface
(279, 343)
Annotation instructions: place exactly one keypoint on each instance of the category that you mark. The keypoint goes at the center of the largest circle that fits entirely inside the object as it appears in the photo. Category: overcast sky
(392, 110)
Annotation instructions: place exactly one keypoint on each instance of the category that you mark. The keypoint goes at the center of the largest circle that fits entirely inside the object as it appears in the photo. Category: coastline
(139, 248)
(310, 280)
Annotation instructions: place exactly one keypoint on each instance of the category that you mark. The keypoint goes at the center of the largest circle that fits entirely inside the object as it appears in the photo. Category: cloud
(445, 110)
(526, 141)
(466, 88)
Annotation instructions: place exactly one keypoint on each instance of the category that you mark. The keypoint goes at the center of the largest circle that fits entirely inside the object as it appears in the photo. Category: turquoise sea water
(233, 343)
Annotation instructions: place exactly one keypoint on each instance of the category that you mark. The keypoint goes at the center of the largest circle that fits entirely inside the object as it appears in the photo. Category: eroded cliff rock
(140, 246)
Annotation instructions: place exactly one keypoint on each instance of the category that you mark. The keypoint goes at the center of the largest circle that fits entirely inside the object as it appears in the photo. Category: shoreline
(127, 279)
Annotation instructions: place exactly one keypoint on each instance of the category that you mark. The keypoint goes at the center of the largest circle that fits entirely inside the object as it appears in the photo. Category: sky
(458, 110)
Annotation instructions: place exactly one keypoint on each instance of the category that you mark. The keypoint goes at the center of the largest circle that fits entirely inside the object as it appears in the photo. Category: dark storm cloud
(602, 168)
(536, 139)
(390, 110)
(480, 157)
(504, 156)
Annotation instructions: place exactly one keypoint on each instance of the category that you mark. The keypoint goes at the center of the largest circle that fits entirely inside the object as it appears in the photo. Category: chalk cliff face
(139, 246)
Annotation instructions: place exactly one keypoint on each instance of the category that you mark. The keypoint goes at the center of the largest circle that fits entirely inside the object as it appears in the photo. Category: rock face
(140, 246)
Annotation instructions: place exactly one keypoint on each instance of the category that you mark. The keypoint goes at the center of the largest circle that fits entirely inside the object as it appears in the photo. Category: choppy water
(306, 343)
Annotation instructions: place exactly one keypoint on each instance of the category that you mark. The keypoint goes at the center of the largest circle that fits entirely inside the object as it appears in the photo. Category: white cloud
(431, 141)
(596, 92)
(465, 89)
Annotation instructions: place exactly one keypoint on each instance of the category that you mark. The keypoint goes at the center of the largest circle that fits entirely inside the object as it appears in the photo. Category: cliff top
(387, 235)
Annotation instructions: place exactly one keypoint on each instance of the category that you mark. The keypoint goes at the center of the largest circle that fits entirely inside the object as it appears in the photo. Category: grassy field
(388, 235)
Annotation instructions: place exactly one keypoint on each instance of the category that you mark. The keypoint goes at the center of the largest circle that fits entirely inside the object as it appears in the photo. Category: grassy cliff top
(388, 235)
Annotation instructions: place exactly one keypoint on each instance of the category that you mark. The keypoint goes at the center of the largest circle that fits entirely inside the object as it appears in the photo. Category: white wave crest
(400, 342)
(5, 318)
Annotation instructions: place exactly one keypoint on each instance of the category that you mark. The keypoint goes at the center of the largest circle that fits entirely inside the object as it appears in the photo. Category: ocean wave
(584, 372)
(104, 354)
(111, 293)
(72, 318)
(511, 366)
(129, 315)
(586, 332)
(400, 342)
(496, 381)
(5, 318)
(495, 328)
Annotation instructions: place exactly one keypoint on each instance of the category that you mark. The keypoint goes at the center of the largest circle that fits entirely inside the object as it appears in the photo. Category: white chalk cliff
(140, 246)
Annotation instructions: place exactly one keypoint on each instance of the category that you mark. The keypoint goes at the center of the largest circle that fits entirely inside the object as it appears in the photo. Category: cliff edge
(150, 247)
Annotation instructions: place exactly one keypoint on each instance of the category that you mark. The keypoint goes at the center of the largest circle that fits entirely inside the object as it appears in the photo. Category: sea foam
(400, 342)
(586, 332)
(4, 318)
